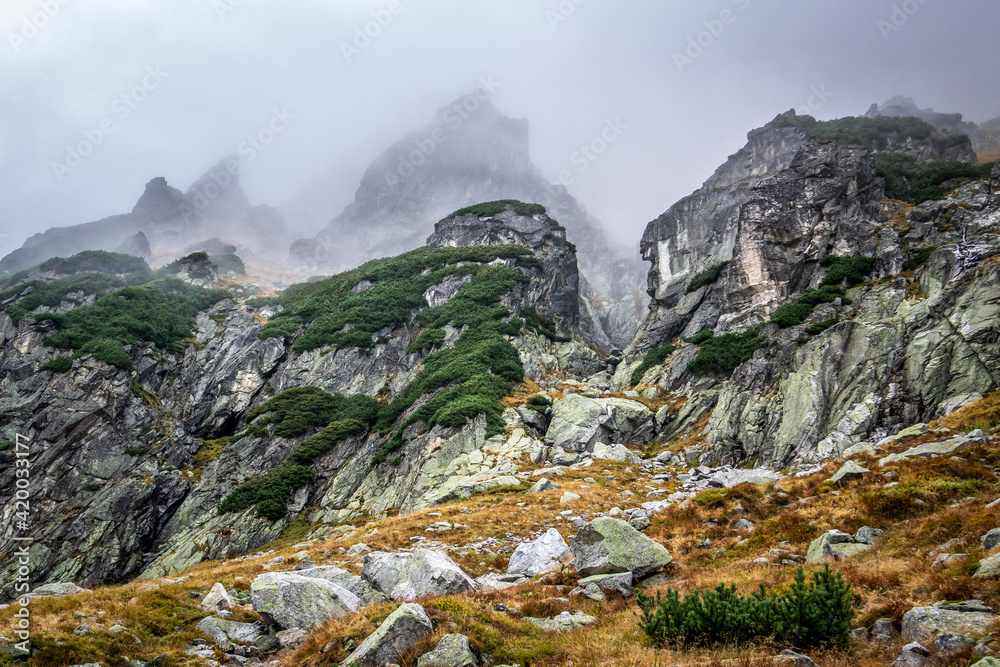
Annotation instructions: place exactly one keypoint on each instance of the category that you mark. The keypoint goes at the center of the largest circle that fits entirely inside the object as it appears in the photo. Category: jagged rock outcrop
(959, 135)
(463, 158)
(906, 348)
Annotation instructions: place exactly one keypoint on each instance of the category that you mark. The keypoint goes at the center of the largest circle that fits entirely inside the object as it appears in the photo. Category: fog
(169, 88)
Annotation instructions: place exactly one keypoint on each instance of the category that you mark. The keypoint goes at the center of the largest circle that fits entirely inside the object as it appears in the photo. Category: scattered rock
(546, 554)
(620, 453)
(607, 545)
(949, 645)
(568, 497)
(859, 634)
(295, 601)
(216, 600)
(868, 535)
(451, 651)
(884, 632)
(403, 629)
(56, 590)
(640, 521)
(594, 592)
(291, 638)
(543, 485)
(743, 524)
(943, 448)
(790, 657)
(848, 472)
(914, 431)
(914, 655)
(944, 560)
(620, 582)
(351, 582)
(834, 545)
(564, 622)
(988, 567)
(407, 577)
(360, 549)
(924, 624)
(990, 540)
(498, 582)
(222, 632)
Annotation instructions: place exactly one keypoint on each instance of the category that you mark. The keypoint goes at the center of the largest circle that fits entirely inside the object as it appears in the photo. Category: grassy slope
(888, 581)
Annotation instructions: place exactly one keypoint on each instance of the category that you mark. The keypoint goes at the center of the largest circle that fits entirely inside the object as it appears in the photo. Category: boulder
(223, 632)
(578, 422)
(568, 497)
(351, 582)
(564, 622)
(943, 448)
(295, 601)
(914, 431)
(868, 535)
(404, 628)
(56, 590)
(410, 576)
(924, 624)
(834, 545)
(793, 659)
(545, 554)
(451, 651)
(607, 546)
(620, 582)
(988, 568)
(640, 521)
(543, 485)
(990, 540)
(494, 581)
(848, 472)
(914, 655)
(216, 600)
(988, 661)
(731, 477)
(619, 453)
(950, 645)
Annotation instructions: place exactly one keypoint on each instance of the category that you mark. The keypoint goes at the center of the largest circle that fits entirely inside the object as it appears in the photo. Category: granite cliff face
(910, 344)
(129, 468)
(464, 157)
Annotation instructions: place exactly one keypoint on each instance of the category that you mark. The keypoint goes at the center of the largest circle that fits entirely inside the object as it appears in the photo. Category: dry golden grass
(890, 579)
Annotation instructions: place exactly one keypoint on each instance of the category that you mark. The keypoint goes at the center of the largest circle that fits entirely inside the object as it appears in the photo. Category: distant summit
(163, 220)
(471, 153)
(985, 137)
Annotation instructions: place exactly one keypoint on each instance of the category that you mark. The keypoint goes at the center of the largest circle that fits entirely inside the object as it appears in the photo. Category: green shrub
(807, 615)
(920, 258)
(655, 357)
(90, 488)
(427, 340)
(136, 451)
(913, 182)
(539, 403)
(297, 410)
(852, 269)
(702, 336)
(60, 364)
(24, 298)
(860, 131)
(489, 209)
(820, 327)
(542, 326)
(161, 312)
(707, 277)
(724, 353)
(791, 314)
(825, 294)
(98, 261)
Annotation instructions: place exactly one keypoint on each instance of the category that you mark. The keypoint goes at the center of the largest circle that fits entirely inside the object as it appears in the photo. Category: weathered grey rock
(359, 549)
(729, 478)
(620, 582)
(743, 524)
(494, 581)
(223, 632)
(546, 554)
(295, 601)
(834, 545)
(944, 560)
(291, 638)
(351, 582)
(603, 452)
(401, 630)
(859, 634)
(217, 599)
(868, 535)
(578, 423)
(990, 540)
(18, 651)
(790, 657)
(988, 661)
(914, 655)
(607, 546)
(988, 567)
(407, 577)
(56, 590)
(929, 449)
(451, 651)
(949, 645)
(848, 472)
(640, 521)
(568, 497)
(924, 624)
(563, 622)
(543, 485)
(913, 431)
(593, 592)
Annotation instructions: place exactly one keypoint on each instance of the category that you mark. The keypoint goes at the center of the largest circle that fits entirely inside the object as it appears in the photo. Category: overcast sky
(180, 84)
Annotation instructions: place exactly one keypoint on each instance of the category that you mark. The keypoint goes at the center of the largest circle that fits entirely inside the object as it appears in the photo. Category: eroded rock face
(579, 423)
(403, 629)
(545, 554)
(895, 356)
